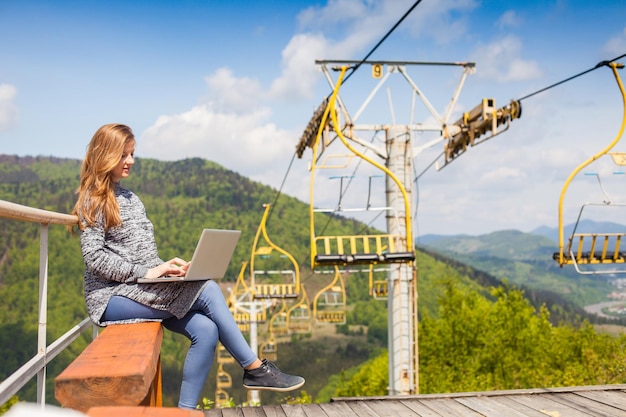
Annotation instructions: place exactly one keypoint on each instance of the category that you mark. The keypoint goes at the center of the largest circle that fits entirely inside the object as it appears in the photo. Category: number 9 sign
(377, 70)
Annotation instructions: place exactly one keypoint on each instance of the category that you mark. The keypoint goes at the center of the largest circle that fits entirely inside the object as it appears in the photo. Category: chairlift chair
(364, 249)
(269, 349)
(224, 380)
(299, 318)
(329, 304)
(282, 282)
(594, 249)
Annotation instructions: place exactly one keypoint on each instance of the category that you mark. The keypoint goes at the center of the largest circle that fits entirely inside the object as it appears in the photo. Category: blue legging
(208, 321)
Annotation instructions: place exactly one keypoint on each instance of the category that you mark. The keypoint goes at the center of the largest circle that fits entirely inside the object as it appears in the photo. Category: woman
(118, 247)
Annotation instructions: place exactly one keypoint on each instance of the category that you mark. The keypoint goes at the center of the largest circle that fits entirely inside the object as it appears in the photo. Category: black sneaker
(269, 377)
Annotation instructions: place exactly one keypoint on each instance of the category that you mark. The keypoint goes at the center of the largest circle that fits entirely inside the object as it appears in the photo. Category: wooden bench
(121, 367)
(143, 412)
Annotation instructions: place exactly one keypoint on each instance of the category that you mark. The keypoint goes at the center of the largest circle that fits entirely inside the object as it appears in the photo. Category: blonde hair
(96, 192)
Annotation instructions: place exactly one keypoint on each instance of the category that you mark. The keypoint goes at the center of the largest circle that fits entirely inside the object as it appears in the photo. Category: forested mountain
(524, 259)
(182, 197)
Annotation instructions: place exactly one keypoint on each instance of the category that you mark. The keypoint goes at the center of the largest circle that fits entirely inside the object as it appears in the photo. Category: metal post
(253, 395)
(401, 297)
(43, 308)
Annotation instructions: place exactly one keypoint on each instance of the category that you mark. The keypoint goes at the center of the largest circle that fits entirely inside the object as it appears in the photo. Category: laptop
(210, 260)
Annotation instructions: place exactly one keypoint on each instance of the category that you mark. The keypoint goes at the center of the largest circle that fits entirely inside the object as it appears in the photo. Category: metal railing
(45, 353)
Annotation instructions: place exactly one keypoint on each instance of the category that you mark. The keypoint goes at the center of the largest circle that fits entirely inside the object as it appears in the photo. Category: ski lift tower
(397, 155)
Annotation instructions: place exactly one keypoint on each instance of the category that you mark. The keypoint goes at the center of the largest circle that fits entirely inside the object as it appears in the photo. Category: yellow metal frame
(333, 312)
(299, 318)
(566, 256)
(272, 290)
(378, 287)
(224, 380)
(278, 321)
(269, 349)
(378, 255)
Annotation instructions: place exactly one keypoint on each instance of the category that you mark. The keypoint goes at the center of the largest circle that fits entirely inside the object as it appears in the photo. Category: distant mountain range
(585, 226)
(526, 259)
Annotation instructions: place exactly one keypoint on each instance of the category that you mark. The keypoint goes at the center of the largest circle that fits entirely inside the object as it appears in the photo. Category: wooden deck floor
(603, 400)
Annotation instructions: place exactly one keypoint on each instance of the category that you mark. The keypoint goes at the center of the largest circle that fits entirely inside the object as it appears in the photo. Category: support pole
(401, 297)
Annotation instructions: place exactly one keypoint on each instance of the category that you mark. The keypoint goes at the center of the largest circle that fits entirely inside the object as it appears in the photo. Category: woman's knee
(200, 329)
(210, 298)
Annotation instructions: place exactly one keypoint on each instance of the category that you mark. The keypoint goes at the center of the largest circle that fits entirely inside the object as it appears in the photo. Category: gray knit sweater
(116, 258)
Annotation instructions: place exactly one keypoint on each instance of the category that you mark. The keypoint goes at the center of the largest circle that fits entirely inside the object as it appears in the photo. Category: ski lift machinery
(393, 250)
(595, 252)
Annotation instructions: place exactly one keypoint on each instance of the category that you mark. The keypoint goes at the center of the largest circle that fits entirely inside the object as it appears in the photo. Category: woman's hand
(174, 267)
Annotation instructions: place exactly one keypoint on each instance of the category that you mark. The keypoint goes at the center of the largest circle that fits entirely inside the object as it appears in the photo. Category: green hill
(523, 259)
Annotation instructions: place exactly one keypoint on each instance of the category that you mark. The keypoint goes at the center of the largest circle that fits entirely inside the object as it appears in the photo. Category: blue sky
(235, 82)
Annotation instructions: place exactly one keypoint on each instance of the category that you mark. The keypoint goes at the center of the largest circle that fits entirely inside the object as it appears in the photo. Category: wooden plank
(613, 398)
(548, 406)
(514, 405)
(588, 405)
(418, 407)
(338, 409)
(488, 407)
(246, 411)
(142, 412)
(293, 410)
(213, 412)
(392, 408)
(314, 410)
(231, 412)
(118, 368)
(274, 411)
(449, 407)
(361, 409)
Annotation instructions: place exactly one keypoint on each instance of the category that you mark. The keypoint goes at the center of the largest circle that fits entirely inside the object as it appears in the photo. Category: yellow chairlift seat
(594, 252)
(240, 303)
(331, 317)
(299, 318)
(244, 317)
(224, 380)
(273, 290)
(370, 249)
(278, 321)
(329, 304)
(603, 248)
(282, 278)
(359, 250)
(269, 349)
(594, 249)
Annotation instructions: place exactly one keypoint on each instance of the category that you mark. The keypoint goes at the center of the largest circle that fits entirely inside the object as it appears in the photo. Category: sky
(236, 82)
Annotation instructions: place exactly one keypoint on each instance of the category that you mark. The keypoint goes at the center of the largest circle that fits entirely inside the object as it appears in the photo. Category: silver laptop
(210, 259)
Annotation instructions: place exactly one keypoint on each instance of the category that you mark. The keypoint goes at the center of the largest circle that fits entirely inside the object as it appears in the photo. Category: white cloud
(231, 94)
(299, 74)
(245, 143)
(500, 61)
(509, 19)
(8, 109)
(617, 44)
